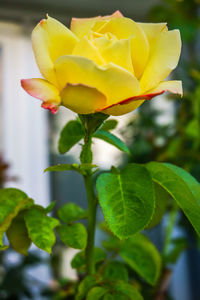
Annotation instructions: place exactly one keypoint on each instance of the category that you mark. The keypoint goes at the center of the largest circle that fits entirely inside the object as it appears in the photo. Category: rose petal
(152, 31)
(119, 53)
(111, 80)
(43, 90)
(82, 99)
(87, 49)
(51, 39)
(130, 104)
(163, 60)
(124, 28)
(82, 26)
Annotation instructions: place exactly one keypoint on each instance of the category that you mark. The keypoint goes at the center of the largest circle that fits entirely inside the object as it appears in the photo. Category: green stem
(86, 157)
(92, 206)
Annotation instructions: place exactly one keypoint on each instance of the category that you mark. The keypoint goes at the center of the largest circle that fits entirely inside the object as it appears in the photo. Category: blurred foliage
(179, 142)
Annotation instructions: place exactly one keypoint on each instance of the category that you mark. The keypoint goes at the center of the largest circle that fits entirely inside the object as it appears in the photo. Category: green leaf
(141, 255)
(17, 235)
(12, 201)
(109, 125)
(183, 188)
(126, 289)
(74, 236)
(82, 169)
(127, 199)
(161, 201)
(86, 284)
(50, 207)
(40, 229)
(71, 134)
(79, 259)
(71, 212)
(96, 293)
(111, 139)
(115, 270)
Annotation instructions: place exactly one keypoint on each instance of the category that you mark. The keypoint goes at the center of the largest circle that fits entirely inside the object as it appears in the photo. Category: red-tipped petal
(50, 106)
(43, 90)
(130, 104)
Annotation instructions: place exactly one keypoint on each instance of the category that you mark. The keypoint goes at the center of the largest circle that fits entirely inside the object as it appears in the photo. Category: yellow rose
(105, 64)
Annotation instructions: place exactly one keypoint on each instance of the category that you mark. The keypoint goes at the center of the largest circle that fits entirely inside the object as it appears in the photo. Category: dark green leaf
(96, 292)
(82, 169)
(184, 189)
(71, 134)
(74, 235)
(109, 125)
(12, 201)
(161, 201)
(127, 199)
(126, 289)
(17, 235)
(115, 270)
(79, 259)
(143, 257)
(86, 284)
(71, 212)
(50, 207)
(40, 229)
(111, 139)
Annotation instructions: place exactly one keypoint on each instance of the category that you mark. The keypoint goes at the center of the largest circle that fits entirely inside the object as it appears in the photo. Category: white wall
(24, 124)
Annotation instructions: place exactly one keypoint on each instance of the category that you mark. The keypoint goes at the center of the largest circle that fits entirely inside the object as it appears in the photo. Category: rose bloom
(107, 64)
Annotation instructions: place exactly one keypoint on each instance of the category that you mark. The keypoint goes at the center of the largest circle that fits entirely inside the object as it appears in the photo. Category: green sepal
(143, 257)
(92, 122)
(111, 139)
(70, 135)
(41, 228)
(74, 235)
(127, 199)
(71, 212)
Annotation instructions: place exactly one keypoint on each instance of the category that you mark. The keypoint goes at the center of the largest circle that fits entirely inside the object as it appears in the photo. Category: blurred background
(165, 129)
